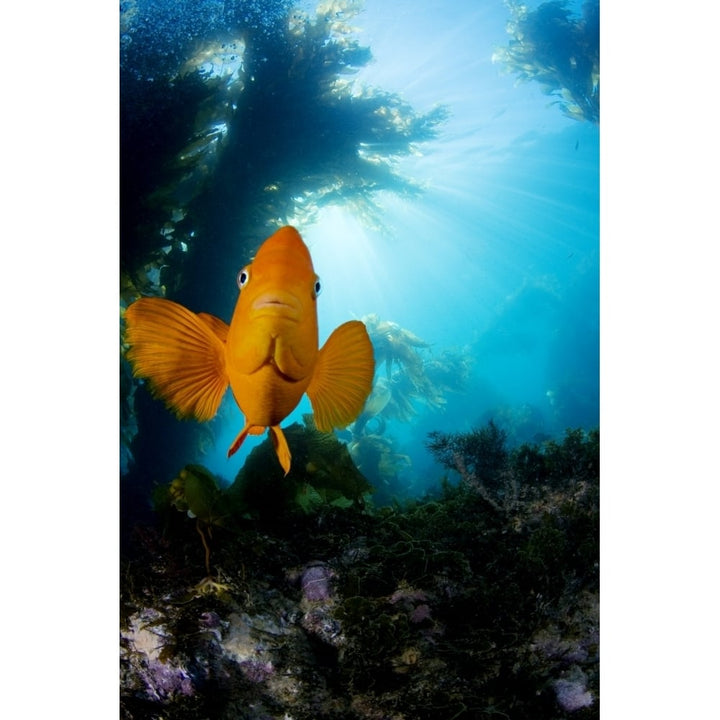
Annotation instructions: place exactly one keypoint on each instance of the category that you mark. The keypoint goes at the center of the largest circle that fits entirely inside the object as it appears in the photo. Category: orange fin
(238, 441)
(218, 326)
(179, 354)
(278, 440)
(247, 430)
(281, 447)
(343, 376)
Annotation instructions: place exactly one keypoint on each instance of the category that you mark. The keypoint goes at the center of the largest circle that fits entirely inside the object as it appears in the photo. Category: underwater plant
(261, 119)
(323, 475)
(195, 491)
(410, 377)
(559, 51)
(481, 459)
(438, 607)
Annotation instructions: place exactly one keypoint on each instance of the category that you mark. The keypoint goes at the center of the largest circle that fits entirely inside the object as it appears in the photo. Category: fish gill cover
(438, 557)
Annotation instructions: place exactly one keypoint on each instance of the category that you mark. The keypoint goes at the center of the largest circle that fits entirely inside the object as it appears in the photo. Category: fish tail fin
(180, 354)
(343, 375)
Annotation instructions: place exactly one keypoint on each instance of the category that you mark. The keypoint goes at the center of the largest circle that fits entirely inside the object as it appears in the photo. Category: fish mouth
(281, 304)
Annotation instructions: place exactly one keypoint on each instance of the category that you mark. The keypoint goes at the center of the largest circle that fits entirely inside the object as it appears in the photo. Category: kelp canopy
(559, 51)
(237, 120)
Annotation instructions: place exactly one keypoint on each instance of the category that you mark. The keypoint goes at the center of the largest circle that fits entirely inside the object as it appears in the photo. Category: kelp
(265, 126)
(561, 52)
(409, 376)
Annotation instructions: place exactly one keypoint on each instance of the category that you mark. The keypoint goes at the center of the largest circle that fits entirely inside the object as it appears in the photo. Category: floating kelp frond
(218, 66)
(157, 274)
(410, 377)
(221, 59)
(560, 52)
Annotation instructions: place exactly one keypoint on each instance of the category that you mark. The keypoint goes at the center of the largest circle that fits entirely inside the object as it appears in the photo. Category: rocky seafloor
(480, 601)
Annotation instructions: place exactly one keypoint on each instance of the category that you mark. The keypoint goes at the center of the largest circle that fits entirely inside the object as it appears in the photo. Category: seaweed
(411, 379)
(322, 475)
(231, 133)
(560, 52)
(445, 607)
(481, 458)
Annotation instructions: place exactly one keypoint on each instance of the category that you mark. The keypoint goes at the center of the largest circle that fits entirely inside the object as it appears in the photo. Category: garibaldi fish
(268, 354)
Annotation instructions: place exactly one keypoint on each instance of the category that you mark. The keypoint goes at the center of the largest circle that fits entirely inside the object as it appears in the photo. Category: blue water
(496, 260)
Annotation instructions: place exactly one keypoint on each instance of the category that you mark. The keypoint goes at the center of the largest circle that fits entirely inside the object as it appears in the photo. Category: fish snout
(277, 303)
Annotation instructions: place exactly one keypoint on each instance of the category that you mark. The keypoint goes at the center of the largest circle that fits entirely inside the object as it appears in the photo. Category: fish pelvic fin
(281, 447)
(180, 354)
(278, 440)
(238, 441)
(342, 378)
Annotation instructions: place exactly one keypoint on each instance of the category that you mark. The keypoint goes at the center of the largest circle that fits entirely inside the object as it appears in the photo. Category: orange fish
(268, 354)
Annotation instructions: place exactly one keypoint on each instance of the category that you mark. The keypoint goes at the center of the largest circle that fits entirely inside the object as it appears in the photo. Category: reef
(561, 52)
(480, 600)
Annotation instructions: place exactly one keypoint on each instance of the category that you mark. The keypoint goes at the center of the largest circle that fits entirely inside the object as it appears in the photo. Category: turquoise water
(493, 261)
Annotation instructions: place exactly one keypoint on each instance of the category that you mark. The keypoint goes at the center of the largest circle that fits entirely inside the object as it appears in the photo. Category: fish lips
(277, 304)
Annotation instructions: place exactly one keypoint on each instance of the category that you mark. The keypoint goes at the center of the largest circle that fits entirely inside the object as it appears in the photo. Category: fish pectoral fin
(179, 354)
(218, 326)
(343, 376)
(281, 447)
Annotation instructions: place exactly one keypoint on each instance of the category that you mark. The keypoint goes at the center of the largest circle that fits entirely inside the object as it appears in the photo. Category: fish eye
(317, 287)
(243, 277)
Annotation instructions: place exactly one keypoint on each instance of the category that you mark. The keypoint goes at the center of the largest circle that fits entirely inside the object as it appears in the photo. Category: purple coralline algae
(420, 613)
(315, 582)
(572, 694)
(156, 679)
(413, 601)
(257, 671)
(164, 681)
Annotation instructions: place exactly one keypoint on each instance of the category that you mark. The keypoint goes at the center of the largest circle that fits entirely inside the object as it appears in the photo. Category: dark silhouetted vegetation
(560, 52)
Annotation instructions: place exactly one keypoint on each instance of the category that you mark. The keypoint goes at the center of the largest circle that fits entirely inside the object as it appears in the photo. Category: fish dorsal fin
(218, 326)
(180, 354)
(343, 376)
